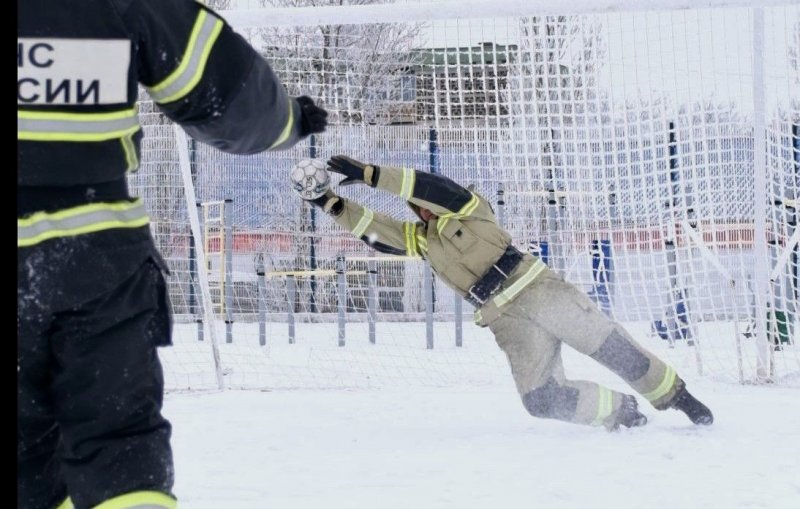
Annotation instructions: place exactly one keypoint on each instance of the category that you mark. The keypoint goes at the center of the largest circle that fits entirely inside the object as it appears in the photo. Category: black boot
(628, 414)
(697, 412)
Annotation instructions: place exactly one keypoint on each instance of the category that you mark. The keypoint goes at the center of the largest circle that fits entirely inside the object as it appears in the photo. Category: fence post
(433, 151)
(312, 247)
(228, 287)
(341, 295)
(554, 248)
(291, 295)
(193, 277)
(261, 295)
(458, 315)
(678, 325)
(795, 259)
(196, 279)
(601, 274)
(372, 301)
(427, 281)
(434, 166)
(501, 209)
(764, 366)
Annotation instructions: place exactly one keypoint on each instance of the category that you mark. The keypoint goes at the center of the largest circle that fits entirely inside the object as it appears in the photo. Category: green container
(778, 329)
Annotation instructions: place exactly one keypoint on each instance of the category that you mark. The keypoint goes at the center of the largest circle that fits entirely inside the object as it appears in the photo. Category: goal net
(650, 156)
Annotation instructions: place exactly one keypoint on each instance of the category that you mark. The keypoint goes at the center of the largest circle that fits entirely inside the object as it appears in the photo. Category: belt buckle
(475, 297)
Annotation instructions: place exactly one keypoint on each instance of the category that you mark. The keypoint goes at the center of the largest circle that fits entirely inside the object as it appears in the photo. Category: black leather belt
(491, 281)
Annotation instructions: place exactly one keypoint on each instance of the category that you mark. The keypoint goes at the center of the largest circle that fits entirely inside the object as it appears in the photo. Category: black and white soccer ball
(310, 179)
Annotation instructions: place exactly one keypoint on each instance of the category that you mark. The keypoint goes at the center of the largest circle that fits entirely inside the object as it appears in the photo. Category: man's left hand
(355, 171)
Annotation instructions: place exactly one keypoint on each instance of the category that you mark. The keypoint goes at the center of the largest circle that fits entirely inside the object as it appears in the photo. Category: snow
(476, 448)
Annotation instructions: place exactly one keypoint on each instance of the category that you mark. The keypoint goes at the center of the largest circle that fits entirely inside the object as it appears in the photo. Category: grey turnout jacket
(461, 244)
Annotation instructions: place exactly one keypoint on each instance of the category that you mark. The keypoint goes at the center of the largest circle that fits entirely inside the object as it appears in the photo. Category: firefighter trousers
(552, 312)
(90, 316)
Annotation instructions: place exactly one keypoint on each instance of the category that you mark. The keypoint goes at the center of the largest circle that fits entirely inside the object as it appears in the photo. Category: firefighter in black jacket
(92, 303)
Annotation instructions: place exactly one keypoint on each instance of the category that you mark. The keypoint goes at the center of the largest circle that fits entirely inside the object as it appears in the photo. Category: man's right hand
(355, 171)
(313, 119)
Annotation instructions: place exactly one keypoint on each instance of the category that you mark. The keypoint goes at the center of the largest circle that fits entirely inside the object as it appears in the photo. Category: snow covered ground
(435, 448)
(394, 425)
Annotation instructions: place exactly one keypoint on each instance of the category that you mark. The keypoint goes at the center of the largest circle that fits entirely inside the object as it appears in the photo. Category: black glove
(355, 171)
(329, 202)
(313, 119)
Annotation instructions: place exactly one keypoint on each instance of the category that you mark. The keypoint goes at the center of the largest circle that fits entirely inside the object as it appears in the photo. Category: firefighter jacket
(79, 67)
(461, 244)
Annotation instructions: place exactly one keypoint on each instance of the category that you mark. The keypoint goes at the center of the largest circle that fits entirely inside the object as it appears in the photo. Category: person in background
(92, 302)
(531, 310)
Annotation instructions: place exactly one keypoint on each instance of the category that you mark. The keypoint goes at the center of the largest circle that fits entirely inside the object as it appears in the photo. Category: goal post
(648, 152)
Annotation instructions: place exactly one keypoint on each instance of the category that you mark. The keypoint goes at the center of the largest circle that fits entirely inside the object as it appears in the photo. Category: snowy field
(478, 448)
(407, 427)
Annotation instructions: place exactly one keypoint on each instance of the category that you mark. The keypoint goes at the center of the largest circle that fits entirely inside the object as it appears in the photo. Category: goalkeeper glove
(355, 171)
(329, 202)
(313, 119)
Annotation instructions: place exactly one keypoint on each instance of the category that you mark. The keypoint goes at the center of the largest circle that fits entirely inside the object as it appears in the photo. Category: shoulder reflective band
(183, 79)
(55, 126)
(90, 218)
(465, 211)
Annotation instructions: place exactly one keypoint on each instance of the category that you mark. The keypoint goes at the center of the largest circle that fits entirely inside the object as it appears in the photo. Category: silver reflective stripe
(188, 74)
(53, 126)
(83, 219)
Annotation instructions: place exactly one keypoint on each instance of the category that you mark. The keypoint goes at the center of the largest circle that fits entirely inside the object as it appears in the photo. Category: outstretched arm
(379, 231)
(207, 78)
(437, 193)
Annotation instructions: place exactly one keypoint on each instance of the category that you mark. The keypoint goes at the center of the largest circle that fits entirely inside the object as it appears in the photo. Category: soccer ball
(310, 179)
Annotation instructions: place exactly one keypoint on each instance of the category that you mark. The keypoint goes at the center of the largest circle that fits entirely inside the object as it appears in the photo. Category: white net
(651, 157)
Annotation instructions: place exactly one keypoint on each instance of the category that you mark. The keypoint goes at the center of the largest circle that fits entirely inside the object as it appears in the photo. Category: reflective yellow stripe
(140, 500)
(605, 405)
(66, 504)
(58, 126)
(664, 387)
(422, 242)
(465, 211)
(407, 186)
(440, 223)
(193, 62)
(509, 293)
(287, 129)
(363, 223)
(477, 316)
(130, 152)
(79, 220)
(410, 230)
